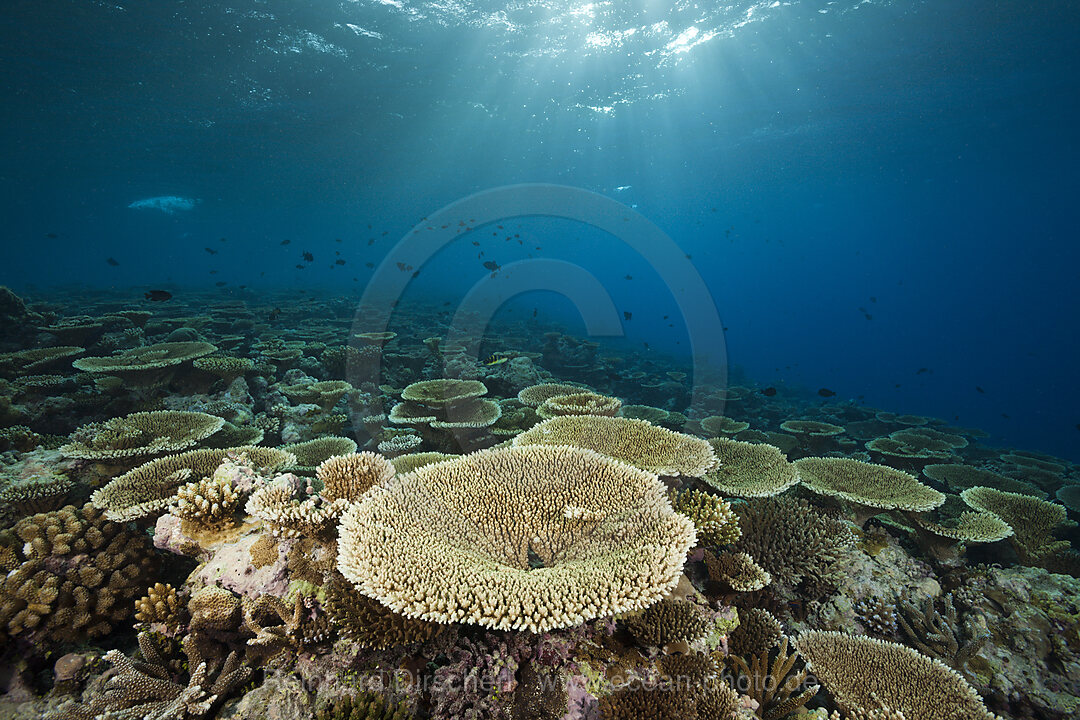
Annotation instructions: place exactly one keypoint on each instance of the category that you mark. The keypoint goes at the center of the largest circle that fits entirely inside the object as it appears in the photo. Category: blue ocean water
(868, 189)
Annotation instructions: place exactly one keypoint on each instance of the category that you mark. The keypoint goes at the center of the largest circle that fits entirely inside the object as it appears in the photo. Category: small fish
(308, 257)
(491, 265)
(337, 240)
(497, 358)
(286, 242)
(158, 295)
(337, 252)
(212, 251)
(213, 272)
(299, 266)
(339, 261)
(979, 389)
(369, 264)
(920, 371)
(416, 273)
(825, 392)
(868, 316)
(628, 315)
(476, 243)
(873, 299)
(51, 236)
(112, 261)
(401, 266)
(220, 283)
(535, 310)
(1078, 426)
(628, 277)
(1004, 416)
(769, 391)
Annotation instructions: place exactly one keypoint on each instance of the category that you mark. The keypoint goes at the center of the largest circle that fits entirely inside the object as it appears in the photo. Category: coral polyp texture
(516, 538)
(637, 442)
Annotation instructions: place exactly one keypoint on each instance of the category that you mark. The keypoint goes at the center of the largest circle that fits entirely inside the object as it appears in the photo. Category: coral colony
(203, 515)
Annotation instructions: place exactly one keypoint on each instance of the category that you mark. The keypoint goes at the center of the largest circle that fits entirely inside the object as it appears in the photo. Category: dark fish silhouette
(112, 261)
(628, 277)
(769, 391)
(158, 295)
(211, 251)
(337, 239)
(415, 274)
(628, 315)
(825, 392)
(308, 257)
(491, 265)
(339, 261)
(286, 242)
(220, 283)
(51, 236)
(369, 264)
(299, 266)
(535, 310)
(920, 371)
(980, 389)
(873, 299)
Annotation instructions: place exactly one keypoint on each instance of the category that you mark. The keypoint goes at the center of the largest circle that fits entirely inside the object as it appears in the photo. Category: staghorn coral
(348, 477)
(149, 488)
(938, 634)
(793, 541)
(869, 488)
(651, 448)
(521, 537)
(77, 576)
(141, 434)
(749, 470)
(312, 452)
(369, 623)
(580, 403)
(161, 605)
(865, 673)
(736, 571)
(715, 521)
(668, 621)
(775, 685)
(144, 691)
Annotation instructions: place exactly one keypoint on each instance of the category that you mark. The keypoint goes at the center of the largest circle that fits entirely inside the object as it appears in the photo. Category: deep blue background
(809, 157)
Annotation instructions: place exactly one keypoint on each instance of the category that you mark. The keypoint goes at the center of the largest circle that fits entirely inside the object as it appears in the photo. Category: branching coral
(865, 674)
(312, 452)
(715, 521)
(370, 623)
(777, 687)
(580, 403)
(736, 571)
(651, 448)
(145, 366)
(524, 537)
(348, 477)
(161, 605)
(794, 542)
(1033, 520)
(666, 622)
(535, 395)
(939, 634)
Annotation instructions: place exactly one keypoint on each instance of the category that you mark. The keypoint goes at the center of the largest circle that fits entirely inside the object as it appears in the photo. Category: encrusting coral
(639, 443)
(142, 434)
(749, 470)
(522, 537)
(865, 673)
